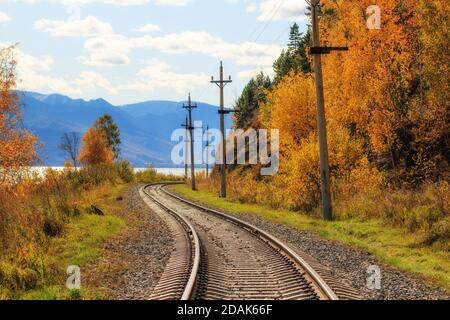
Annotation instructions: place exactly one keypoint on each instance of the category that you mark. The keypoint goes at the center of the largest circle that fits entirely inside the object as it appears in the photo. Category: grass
(394, 246)
(80, 245)
(64, 219)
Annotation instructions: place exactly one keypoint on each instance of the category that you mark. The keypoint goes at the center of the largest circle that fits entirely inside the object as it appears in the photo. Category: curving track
(218, 256)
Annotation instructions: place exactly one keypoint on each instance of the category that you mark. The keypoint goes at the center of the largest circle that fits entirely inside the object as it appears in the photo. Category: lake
(179, 172)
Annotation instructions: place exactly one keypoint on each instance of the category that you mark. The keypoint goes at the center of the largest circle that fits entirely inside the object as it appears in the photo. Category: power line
(287, 28)
(264, 24)
(270, 19)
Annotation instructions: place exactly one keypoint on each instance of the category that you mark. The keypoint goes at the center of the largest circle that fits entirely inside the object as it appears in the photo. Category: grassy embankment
(59, 221)
(394, 246)
(79, 245)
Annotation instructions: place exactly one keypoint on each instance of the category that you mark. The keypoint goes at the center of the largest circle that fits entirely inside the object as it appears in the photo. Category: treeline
(387, 115)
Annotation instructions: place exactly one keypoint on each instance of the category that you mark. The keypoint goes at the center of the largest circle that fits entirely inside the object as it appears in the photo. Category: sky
(128, 51)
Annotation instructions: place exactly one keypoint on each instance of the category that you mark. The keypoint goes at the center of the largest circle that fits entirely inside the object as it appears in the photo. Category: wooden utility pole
(186, 125)
(221, 84)
(207, 152)
(189, 106)
(321, 121)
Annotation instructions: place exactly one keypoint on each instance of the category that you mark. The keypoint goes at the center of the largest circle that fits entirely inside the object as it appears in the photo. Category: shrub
(150, 175)
(14, 277)
(440, 231)
(75, 294)
(125, 171)
(53, 226)
(92, 209)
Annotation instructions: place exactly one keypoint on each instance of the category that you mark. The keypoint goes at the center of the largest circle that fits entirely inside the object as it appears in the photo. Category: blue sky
(134, 50)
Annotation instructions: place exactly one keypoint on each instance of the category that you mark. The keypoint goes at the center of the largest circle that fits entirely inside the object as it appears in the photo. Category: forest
(387, 119)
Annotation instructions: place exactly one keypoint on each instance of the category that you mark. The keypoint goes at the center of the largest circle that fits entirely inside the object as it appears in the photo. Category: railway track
(217, 256)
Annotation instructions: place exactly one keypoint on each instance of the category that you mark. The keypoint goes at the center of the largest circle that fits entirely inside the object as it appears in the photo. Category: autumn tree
(95, 149)
(111, 131)
(17, 146)
(391, 87)
(70, 145)
(429, 112)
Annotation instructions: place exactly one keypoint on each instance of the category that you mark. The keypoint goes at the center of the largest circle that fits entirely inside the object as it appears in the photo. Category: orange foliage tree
(386, 104)
(291, 108)
(17, 146)
(391, 87)
(95, 149)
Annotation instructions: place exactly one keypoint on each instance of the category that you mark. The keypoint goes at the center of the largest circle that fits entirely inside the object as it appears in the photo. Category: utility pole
(186, 125)
(189, 106)
(317, 51)
(221, 84)
(207, 152)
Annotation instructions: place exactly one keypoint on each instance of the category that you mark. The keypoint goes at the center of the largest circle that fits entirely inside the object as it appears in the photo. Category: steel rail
(325, 290)
(189, 290)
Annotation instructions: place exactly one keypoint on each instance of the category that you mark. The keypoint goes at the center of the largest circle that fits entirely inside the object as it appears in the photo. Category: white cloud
(87, 27)
(89, 80)
(26, 62)
(106, 51)
(33, 74)
(251, 8)
(105, 59)
(159, 74)
(45, 83)
(247, 53)
(148, 28)
(4, 17)
(31, 71)
(114, 49)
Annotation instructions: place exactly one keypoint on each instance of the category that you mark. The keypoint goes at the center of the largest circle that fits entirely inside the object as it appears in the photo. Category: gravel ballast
(349, 264)
(132, 264)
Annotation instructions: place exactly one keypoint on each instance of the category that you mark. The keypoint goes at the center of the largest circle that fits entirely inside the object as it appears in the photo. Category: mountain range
(145, 127)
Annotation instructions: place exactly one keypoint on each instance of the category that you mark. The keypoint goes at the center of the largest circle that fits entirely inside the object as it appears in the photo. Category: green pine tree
(248, 103)
(112, 132)
(295, 57)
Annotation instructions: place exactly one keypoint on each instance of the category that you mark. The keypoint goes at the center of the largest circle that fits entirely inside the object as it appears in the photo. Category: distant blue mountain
(145, 127)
